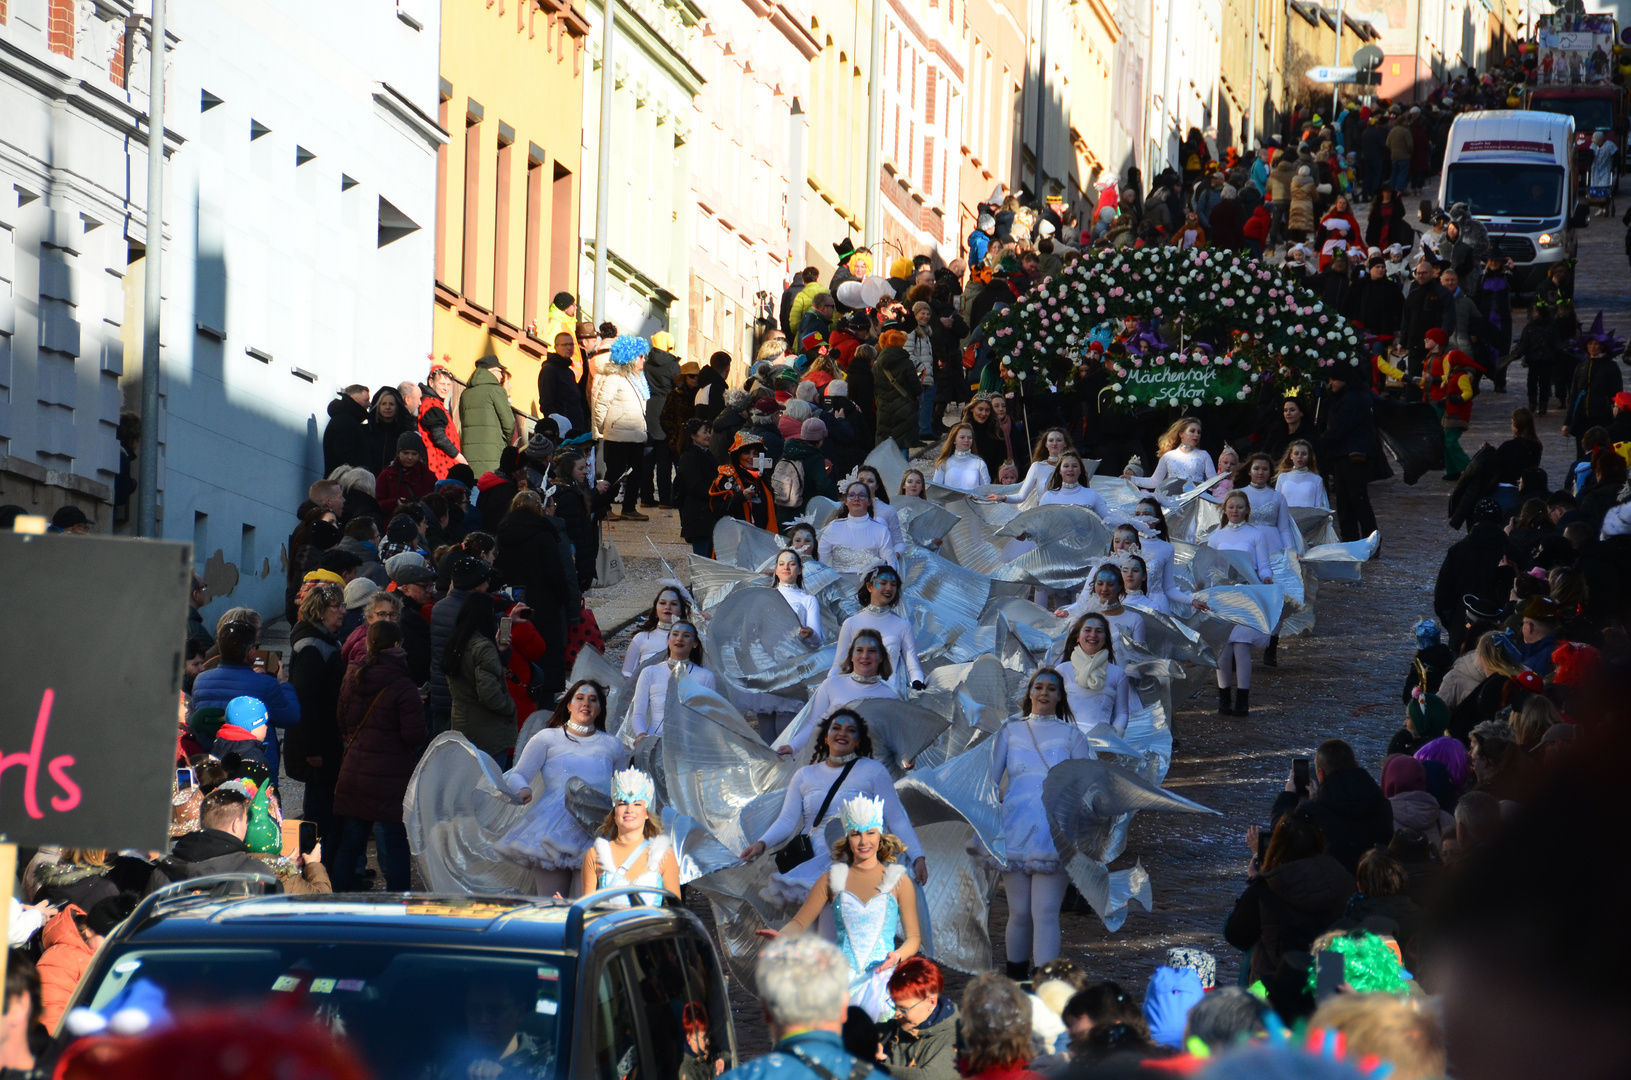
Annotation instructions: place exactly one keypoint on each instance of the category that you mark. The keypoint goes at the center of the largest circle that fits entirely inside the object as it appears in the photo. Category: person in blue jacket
(235, 677)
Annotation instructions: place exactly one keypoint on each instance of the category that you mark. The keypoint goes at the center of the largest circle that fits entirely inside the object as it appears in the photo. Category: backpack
(787, 483)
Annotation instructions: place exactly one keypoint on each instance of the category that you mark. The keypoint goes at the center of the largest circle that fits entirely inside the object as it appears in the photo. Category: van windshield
(409, 1014)
(1506, 188)
(1590, 113)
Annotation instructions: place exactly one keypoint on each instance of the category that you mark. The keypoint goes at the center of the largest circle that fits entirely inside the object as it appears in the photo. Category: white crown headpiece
(863, 814)
(632, 786)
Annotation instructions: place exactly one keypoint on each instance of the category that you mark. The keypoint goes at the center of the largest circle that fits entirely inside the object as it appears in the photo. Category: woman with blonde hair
(865, 863)
(1181, 457)
(630, 847)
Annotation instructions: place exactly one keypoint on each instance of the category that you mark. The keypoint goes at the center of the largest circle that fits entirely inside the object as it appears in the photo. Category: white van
(1515, 171)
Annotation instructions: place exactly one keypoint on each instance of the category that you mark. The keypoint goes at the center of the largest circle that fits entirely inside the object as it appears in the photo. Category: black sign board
(92, 631)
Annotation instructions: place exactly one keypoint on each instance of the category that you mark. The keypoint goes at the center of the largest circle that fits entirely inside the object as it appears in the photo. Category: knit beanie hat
(410, 440)
(470, 571)
(358, 592)
(402, 530)
(813, 430)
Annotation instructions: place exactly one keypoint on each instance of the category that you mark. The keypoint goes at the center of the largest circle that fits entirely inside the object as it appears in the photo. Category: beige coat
(1302, 204)
(618, 403)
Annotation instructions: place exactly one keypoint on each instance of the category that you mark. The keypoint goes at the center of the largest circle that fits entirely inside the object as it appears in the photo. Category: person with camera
(1343, 800)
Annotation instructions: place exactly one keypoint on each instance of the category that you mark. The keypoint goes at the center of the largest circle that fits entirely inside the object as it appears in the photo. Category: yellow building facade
(508, 181)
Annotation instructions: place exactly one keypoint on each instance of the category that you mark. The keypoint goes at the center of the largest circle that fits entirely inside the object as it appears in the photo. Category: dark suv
(425, 987)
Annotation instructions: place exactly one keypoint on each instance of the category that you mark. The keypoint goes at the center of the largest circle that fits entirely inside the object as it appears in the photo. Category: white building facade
(747, 167)
(73, 173)
(651, 213)
(299, 217)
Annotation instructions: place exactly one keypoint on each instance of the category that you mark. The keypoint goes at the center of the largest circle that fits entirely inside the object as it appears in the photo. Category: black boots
(1224, 706)
(1271, 655)
(1019, 970)
(1242, 703)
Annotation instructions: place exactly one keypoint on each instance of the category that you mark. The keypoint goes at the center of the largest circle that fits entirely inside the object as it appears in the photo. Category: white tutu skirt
(870, 991)
(1247, 636)
(1026, 836)
(793, 887)
(548, 838)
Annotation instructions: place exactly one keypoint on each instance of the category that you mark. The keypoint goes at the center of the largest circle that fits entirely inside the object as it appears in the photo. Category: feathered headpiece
(627, 348)
(632, 786)
(863, 814)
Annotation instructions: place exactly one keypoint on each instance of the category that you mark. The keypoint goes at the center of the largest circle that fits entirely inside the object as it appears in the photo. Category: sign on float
(93, 638)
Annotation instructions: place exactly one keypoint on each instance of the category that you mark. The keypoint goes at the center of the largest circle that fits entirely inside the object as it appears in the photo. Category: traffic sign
(1368, 58)
(1332, 74)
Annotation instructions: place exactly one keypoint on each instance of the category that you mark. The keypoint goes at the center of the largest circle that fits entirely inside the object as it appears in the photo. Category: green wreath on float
(1276, 328)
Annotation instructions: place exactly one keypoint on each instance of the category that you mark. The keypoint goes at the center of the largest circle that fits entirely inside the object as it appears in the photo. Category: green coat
(930, 1054)
(483, 710)
(897, 391)
(485, 421)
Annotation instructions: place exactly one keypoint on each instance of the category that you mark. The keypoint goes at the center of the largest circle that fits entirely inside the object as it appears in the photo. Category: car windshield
(411, 1014)
(1506, 188)
(1590, 113)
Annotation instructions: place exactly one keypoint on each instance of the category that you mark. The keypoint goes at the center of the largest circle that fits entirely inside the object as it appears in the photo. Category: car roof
(432, 920)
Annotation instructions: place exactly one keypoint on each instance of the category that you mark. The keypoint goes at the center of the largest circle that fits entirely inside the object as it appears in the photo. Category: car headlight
(1548, 240)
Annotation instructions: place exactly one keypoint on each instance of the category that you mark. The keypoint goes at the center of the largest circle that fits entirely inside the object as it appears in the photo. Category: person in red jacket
(1256, 229)
(436, 423)
(526, 648)
(405, 480)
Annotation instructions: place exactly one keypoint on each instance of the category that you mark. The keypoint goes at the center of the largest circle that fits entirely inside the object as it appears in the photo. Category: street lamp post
(147, 487)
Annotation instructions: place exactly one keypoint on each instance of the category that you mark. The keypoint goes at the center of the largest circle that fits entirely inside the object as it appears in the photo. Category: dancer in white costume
(631, 848)
(1270, 511)
(1299, 479)
(1068, 486)
(1095, 685)
(1181, 458)
(880, 595)
(863, 674)
(548, 839)
(1235, 658)
(1026, 748)
(1104, 592)
(958, 466)
(841, 767)
(684, 661)
(857, 540)
(789, 577)
(880, 505)
(1044, 459)
(651, 639)
(870, 902)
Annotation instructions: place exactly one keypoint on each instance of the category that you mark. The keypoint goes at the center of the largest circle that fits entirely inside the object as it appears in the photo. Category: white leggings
(549, 883)
(1235, 666)
(1033, 915)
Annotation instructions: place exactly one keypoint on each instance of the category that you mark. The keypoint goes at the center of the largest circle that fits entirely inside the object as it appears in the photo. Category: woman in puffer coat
(618, 416)
(1295, 897)
(381, 719)
(898, 389)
